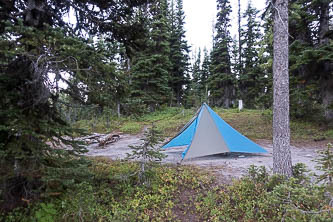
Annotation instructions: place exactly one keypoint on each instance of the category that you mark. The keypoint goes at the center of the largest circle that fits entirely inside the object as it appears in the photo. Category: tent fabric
(184, 138)
(185, 135)
(207, 140)
(236, 142)
(207, 134)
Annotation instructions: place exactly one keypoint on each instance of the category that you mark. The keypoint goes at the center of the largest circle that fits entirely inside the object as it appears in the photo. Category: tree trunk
(239, 39)
(281, 132)
(118, 109)
(325, 66)
(324, 23)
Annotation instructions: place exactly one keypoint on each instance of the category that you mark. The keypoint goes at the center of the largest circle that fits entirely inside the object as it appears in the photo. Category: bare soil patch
(225, 166)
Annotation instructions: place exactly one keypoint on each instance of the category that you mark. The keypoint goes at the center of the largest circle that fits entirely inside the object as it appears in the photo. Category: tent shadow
(227, 156)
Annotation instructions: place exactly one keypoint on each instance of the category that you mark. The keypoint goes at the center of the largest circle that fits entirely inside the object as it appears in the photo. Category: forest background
(127, 58)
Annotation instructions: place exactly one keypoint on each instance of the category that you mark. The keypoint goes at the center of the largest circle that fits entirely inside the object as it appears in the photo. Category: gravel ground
(227, 166)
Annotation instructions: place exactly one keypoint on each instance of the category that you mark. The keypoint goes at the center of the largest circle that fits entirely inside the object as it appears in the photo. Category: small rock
(308, 155)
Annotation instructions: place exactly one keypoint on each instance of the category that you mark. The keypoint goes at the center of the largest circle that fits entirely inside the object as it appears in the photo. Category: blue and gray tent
(207, 134)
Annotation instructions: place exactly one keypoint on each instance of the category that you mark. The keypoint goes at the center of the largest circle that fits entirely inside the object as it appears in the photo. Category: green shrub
(18, 214)
(46, 212)
(260, 197)
(114, 194)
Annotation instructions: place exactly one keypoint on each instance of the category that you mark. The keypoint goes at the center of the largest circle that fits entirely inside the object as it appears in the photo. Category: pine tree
(251, 74)
(151, 66)
(179, 50)
(221, 79)
(239, 65)
(310, 59)
(197, 90)
(33, 132)
(148, 153)
(196, 80)
(204, 76)
(265, 55)
(236, 64)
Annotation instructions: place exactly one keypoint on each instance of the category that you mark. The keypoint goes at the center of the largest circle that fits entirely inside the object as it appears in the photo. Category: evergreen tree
(151, 66)
(204, 76)
(196, 80)
(36, 42)
(178, 51)
(311, 58)
(148, 153)
(265, 55)
(239, 66)
(236, 64)
(251, 75)
(196, 68)
(197, 92)
(221, 79)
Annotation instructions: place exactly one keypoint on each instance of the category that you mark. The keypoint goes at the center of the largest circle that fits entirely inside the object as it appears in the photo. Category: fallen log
(112, 138)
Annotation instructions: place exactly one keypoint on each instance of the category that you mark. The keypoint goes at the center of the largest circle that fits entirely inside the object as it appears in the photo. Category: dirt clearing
(228, 166)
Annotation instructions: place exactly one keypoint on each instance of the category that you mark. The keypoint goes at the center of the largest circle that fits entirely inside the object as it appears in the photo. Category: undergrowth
(181, 193)
(115, 194)
(260, 197)
(255, 124)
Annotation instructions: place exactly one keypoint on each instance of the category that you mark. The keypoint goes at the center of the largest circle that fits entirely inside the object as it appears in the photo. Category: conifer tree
(196, 80)
(148, 153)
(311, 58)
(197, 91)
(36, 42)
(151, 66)
(196, 68)
(236, 64)
(239, 48)
(265, 55)
(204, 76)
(221, 79)
(251, 75)
(179, 50)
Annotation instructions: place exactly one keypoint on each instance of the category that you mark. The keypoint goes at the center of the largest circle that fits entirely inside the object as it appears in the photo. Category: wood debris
(111, 138)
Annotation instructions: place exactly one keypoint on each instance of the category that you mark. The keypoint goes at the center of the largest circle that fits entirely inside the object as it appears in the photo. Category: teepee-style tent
(207, 134)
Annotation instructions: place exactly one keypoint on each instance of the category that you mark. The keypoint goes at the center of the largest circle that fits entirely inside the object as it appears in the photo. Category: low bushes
(112, 191)
(259, 197)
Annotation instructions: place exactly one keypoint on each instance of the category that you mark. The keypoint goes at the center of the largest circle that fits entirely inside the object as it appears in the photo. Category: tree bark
(326, 66)
(118, 109)
(324, 14)
(239, 39)
(281, 132)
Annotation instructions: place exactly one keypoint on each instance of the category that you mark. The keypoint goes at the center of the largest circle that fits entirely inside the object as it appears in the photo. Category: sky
(199, 17)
